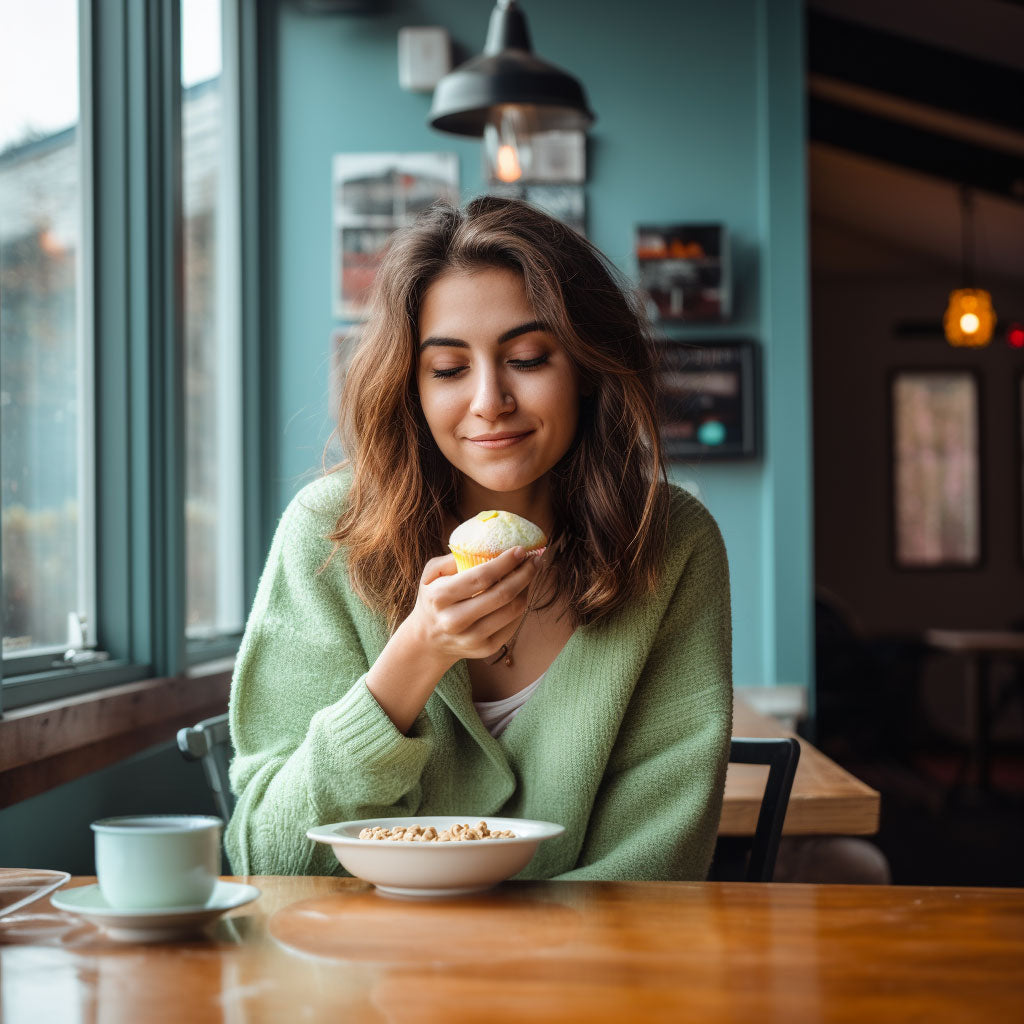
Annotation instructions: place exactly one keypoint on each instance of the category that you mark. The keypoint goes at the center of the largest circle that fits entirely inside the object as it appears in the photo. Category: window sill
(47, 744)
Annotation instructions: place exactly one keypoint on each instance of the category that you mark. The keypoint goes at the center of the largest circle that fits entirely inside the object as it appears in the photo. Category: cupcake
(488, 534)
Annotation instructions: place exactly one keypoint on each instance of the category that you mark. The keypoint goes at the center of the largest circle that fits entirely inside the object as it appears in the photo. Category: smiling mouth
(506, 440)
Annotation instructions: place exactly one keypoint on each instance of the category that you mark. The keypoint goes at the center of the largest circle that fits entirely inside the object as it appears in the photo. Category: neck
(532, 502)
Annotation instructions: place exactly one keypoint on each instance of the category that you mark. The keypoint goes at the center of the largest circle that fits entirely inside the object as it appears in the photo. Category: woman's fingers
(443, 565)
(481, 578)
(462, 612)
(466, 613)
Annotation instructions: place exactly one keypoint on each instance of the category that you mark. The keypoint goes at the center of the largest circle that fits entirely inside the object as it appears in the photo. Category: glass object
(46, 398)
(213, 488)
(936, 469)
(507, 142)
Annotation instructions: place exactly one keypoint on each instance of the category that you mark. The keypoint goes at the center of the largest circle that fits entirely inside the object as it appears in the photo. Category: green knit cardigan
(625, 742)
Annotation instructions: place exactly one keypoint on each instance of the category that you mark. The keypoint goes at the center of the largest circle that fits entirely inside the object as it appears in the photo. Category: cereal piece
(457, 833)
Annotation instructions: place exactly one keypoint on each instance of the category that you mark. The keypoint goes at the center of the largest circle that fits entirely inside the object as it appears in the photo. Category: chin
(503, 482)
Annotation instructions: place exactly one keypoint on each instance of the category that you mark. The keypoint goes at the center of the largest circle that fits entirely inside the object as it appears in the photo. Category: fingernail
(520, 553)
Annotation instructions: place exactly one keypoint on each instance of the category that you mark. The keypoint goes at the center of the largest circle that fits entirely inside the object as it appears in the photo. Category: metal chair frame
(781, 754)
(209, 741)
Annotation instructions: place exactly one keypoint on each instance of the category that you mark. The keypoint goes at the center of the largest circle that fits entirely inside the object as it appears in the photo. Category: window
(46, 394)
(213, 510)
(127, 548)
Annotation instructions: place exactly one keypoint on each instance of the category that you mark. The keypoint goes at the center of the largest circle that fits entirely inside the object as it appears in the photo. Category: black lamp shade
(508, 73)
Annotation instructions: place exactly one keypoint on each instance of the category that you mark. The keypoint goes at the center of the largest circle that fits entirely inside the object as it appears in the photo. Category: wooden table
(333, 949)
(826, 799)
(979, 647)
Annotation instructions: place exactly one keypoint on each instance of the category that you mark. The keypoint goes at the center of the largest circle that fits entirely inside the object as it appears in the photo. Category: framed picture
(375, 194)
(565, 202)
(936, 469)
(684, 271)
(710, 405)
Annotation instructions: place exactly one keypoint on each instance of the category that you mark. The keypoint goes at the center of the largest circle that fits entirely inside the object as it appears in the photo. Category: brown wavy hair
(609, 495)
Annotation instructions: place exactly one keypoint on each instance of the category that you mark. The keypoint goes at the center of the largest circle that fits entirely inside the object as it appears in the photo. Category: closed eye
(518, 364)
(529, 364)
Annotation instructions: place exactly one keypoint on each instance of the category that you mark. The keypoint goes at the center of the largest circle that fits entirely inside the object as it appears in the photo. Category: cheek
(559, 398)
(440, 405)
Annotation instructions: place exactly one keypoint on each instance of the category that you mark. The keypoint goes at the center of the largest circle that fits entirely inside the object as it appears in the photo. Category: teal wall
(699, 116)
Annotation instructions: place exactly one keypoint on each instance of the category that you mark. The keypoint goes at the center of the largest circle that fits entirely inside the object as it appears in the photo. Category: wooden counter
(333, 949)
(826, 799)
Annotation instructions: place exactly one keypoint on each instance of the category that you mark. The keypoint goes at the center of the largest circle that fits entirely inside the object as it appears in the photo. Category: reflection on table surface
(604, 951)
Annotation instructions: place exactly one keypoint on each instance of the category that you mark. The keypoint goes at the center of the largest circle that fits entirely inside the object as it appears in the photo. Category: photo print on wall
(375, 194)
(684, 271)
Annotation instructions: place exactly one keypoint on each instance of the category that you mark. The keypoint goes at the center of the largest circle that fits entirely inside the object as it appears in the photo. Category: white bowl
(435, 869)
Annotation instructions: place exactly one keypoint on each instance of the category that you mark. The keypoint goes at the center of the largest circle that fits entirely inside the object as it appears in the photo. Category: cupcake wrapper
(467, 560)
(464, 560)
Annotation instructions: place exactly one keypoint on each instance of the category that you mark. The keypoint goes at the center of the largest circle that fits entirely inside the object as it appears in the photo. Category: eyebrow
(512, 332)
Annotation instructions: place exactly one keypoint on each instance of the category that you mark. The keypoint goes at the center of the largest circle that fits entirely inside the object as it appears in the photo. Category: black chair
(738, 859)
(209, 741)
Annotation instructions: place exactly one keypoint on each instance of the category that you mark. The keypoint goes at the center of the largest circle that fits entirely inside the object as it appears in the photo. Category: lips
(503, 440)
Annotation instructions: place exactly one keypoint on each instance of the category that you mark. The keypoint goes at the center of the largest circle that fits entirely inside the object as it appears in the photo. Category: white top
(496, 714)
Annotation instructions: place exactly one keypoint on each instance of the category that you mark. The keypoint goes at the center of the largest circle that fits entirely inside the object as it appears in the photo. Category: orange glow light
(970, 318)
(507, 166)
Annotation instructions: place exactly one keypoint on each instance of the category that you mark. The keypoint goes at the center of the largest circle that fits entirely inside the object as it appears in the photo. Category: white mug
(157, 860)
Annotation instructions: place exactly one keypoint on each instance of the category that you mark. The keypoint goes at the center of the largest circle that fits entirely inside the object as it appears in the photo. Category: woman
(502, 367)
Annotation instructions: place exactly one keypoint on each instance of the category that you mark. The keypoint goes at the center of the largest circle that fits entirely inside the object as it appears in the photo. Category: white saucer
(152, 925)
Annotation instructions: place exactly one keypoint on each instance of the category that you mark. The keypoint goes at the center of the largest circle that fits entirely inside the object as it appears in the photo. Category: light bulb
(507, 136)
(507, 166)
(970, 318)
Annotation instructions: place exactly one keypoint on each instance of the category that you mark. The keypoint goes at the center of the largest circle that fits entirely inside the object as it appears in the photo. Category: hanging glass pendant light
(970, 319)
(507, 96)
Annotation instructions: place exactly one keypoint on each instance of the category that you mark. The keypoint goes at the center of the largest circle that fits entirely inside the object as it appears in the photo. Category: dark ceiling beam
(922, 74)
(915, 71)
(896, 142)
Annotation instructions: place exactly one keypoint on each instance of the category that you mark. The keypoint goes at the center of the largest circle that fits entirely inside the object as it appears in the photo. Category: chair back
(781, 755)
(209, 741)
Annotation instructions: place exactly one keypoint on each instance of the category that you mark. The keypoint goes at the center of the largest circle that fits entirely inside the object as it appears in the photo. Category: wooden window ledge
(47, 744)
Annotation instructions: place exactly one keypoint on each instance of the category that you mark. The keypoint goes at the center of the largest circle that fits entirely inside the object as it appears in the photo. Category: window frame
(130, 129)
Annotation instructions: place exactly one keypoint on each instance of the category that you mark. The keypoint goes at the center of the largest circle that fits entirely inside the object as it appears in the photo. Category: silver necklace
(505, 654)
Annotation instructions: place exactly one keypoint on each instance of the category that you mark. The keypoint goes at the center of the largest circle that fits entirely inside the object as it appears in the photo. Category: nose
(491, 397)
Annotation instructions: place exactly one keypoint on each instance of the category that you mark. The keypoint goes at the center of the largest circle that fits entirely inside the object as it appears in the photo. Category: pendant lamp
(970, 318)
(507, 96)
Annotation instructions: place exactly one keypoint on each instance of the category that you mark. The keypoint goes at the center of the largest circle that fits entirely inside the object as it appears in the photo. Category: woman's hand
(470, 614)
(457, 615)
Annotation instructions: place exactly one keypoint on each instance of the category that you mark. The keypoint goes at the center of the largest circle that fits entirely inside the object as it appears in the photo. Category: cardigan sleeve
(657, 810)
(312, 746)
